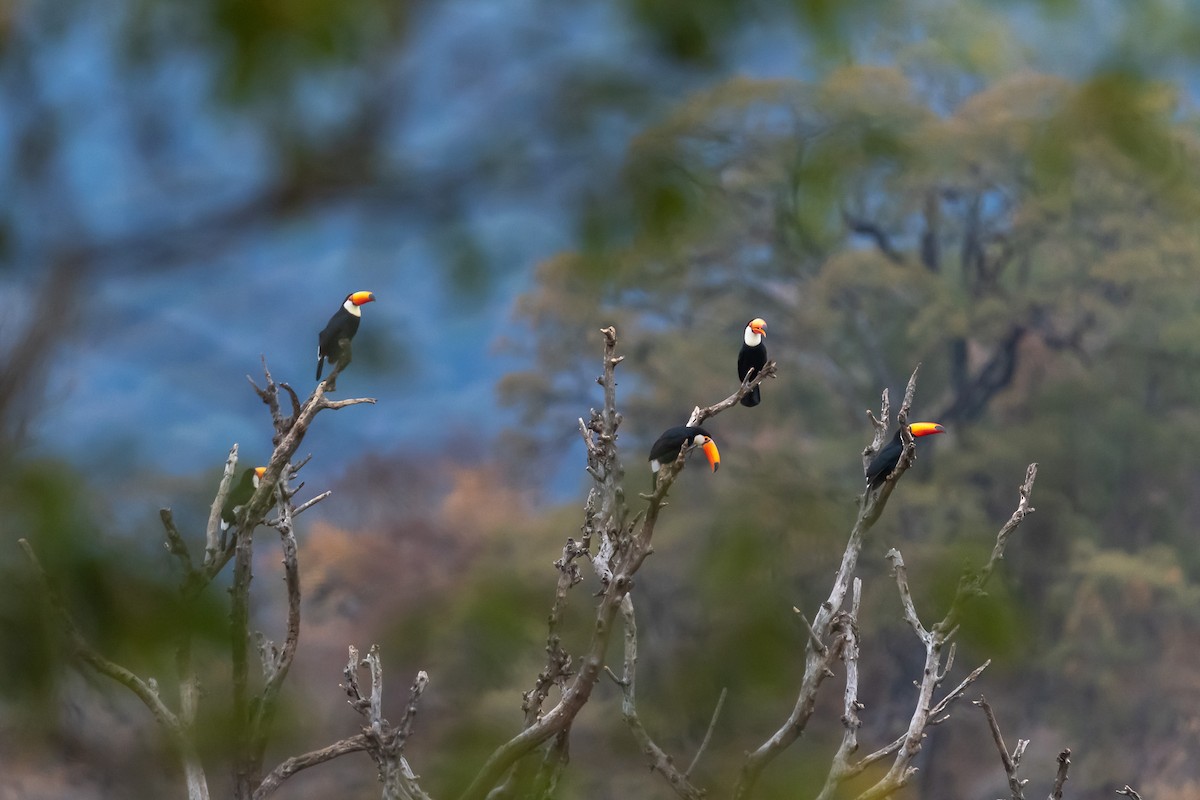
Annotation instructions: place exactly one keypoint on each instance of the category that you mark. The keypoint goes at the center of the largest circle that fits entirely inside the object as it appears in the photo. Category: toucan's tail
(320, 366)
(754, 397)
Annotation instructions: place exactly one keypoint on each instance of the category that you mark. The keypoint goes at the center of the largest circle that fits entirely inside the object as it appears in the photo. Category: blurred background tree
(1002, 192)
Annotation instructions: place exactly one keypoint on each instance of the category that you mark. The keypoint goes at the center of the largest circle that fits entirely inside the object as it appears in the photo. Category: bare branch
(848, 630)
(353, 401)
(1129, 792)
(813, 637)
(277, 663)
(908, 454)
(212, 531)
(699, 415)
(289, 767)
(1060, 778)
(310, 503)
(712, 724)
(935, 718)
(972, 584)
(660, 762)
(1012, 761)
(906, 600)
(175, 544)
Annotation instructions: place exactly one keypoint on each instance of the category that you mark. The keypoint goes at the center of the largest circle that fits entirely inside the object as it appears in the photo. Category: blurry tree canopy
(1033, 245)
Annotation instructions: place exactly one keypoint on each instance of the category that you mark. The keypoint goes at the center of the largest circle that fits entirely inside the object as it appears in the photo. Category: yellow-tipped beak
(260, 471)
(358, 298)
(759, 326)
(713, 454)
(925, 428)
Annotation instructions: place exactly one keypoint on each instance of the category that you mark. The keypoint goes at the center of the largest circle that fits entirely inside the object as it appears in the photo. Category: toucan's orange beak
(713, 454)
(925, 429)
(759, 326)
(260, 471)
(358, 298)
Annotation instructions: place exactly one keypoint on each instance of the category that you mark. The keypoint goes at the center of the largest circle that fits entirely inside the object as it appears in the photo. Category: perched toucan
(753, 355)
(342, 326)
(887, 458)
(666, 448)
(240, 494)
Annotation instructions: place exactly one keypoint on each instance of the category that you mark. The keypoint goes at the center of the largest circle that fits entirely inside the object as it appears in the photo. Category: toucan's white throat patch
(353, 309)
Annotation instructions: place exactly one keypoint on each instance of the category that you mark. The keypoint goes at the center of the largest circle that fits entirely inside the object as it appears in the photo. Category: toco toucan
(753, 355)
(666, 448)
(887, 458)
(340, 330)
(240, 494)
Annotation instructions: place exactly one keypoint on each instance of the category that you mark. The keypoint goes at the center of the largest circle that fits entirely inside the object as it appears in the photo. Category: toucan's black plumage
(889, 456)
(341, 328)
(753, 355)
(667, 446)
(240, 494)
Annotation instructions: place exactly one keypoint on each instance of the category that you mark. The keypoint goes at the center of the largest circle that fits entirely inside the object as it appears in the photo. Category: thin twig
(712, 724)
(813, 637)
(310, 503)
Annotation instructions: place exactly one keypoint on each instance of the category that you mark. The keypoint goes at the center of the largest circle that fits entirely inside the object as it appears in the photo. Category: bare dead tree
(615, 545)
(252, 715)
(819, 655)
